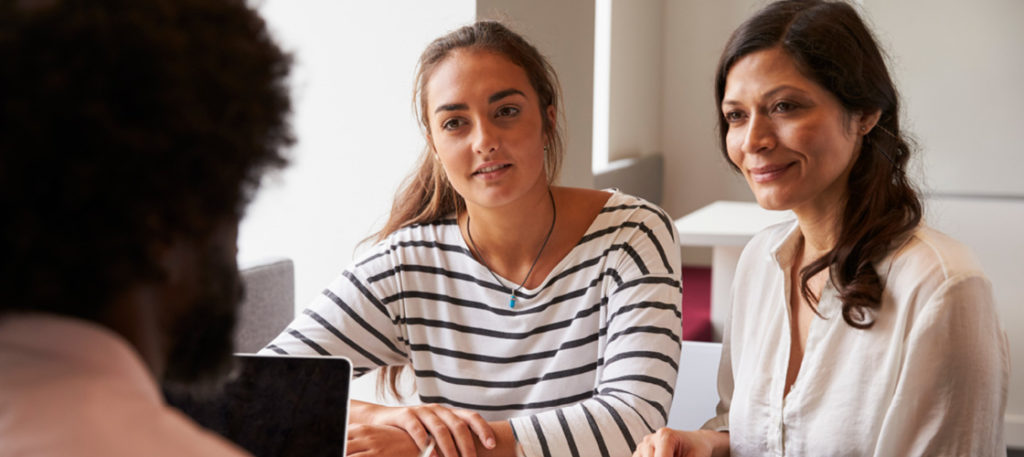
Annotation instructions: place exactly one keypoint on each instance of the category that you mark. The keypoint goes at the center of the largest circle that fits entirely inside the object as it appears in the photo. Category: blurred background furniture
(696, 391)
(269, 304)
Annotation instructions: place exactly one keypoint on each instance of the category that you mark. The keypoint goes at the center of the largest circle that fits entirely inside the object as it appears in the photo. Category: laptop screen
(278, 405)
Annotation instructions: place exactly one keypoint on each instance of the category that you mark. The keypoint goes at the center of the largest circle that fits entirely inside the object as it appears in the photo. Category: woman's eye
(507, 111)
(733, 116)
(783, 107)
(451, 124)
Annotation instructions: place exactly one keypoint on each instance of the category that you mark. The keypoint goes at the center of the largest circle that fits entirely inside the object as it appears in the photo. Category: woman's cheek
(733, 144)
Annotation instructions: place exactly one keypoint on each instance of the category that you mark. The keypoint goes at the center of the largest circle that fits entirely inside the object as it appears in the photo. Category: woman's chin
(772, 202)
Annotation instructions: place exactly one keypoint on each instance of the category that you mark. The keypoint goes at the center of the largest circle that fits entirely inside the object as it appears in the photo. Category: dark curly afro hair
(124, 124)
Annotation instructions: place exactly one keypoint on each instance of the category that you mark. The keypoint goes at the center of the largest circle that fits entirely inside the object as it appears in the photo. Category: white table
(725, 227)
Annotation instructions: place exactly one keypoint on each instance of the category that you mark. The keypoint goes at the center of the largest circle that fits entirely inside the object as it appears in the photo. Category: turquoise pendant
(512, 301)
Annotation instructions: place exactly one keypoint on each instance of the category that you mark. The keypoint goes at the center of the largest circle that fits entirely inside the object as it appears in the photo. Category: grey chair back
(696, 392)
(269, 304)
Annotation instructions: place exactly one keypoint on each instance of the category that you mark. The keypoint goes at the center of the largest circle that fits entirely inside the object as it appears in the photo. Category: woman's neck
(509, 238)
(820, 228)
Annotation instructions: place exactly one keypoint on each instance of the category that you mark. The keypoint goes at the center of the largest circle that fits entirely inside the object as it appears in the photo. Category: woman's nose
(485, 138)
(760, 135)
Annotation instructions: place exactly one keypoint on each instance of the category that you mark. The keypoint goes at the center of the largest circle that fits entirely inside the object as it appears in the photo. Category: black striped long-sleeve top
(583, 365)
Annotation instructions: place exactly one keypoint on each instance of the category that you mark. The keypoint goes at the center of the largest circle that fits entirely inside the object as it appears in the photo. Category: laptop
(277, 405)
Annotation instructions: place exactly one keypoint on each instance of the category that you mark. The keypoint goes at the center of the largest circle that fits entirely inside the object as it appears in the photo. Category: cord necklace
(514, 292)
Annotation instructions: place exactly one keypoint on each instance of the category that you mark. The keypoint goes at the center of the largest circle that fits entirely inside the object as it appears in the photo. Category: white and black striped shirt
(584, 365)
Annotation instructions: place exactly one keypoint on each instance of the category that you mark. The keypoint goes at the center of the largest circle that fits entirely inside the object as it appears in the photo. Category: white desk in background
(725, 227)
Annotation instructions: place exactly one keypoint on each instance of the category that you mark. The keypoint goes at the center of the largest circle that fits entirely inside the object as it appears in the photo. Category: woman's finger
(643, 449)
(460, 431)
(412, 425)
(439, 430)
(665, 448)
(479, 426)
(356, 446)
(356, 441)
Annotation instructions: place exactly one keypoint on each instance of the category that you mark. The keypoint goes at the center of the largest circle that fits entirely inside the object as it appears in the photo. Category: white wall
(959, 66)
(357, 137)
(635, 79)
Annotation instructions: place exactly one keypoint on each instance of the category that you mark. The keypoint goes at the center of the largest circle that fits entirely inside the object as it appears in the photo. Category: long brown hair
(426, 195)
(831, 45)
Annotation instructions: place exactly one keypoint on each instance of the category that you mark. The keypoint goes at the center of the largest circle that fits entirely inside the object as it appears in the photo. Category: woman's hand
(675, 443)
(379, 440)
(452, 429)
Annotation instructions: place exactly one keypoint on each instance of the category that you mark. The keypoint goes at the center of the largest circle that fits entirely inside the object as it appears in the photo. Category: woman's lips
(769, 173)
(491, 170)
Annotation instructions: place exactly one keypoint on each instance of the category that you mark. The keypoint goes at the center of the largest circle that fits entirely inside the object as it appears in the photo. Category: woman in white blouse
(856, 329)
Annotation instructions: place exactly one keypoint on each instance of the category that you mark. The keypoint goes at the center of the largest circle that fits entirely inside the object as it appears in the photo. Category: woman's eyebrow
(504, 93)
(493, 98)
(782, 88)
(451, 107)
(769, 94)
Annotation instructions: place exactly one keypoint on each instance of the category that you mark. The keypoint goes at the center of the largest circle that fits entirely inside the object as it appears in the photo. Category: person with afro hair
(132, 136)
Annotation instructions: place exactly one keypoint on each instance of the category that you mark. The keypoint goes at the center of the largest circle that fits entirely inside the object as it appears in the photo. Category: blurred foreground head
(132, 136)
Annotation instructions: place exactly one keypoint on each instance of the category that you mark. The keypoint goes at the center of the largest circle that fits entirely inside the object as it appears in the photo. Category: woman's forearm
(361, 412)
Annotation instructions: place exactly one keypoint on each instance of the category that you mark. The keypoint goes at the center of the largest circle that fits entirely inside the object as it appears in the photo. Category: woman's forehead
(472, 76)
(761, 72)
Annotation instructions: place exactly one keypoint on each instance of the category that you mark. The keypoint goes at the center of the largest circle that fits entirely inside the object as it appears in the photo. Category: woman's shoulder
(929, 262)
(927, 252)
(440, 230)
(414, 240)
(624, 225)
(621, 207)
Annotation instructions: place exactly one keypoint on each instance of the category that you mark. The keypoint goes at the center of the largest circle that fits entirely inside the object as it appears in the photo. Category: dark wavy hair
(123, 124)
(832, 46)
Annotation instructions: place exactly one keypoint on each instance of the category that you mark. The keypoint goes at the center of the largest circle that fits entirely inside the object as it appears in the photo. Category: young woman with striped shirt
(538, 320)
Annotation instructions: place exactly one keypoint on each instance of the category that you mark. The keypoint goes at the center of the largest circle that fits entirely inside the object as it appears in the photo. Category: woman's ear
(868, 121)
(552, 116)
(430, 144)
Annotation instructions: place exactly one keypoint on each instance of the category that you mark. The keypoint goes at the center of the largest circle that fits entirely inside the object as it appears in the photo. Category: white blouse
(929, 378)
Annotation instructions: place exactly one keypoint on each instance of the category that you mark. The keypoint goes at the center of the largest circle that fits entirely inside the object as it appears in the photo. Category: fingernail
(490, 443)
